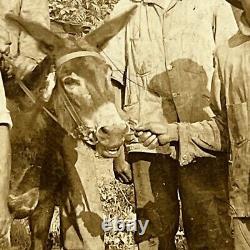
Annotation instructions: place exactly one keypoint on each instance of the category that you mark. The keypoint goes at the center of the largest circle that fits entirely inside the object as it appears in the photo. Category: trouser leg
(241, 228)
(82, 211)
(155, 180)
(205, 204)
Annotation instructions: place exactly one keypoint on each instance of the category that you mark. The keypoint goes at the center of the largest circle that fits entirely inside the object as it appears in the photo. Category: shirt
(230, 101)
(4, 113)
(21, 43)
(164, 57)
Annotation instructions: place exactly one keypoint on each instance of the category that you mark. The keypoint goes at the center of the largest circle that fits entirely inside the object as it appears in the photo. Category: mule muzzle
(110, 139)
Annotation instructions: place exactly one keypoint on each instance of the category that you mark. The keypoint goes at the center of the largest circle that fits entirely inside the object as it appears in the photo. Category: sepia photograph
(124, 125)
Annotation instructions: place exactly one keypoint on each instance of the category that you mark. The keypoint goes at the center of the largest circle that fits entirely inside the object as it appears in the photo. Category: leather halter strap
(82, 131)
(77, 54)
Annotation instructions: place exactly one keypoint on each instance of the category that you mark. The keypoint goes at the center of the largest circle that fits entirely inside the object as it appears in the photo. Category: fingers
(154, 127)
(125, 178)
(122, 171)
(143, 136)
(151, 139)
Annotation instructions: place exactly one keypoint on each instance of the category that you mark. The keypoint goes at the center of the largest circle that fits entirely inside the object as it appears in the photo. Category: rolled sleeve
(205, 138)
(201, 139)
(5, 117)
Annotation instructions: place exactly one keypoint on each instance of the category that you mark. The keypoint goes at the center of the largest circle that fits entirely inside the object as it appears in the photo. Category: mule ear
(109, 29)
(49, 43)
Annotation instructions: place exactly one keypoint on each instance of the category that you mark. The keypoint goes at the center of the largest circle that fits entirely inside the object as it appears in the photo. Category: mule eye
(70, 81)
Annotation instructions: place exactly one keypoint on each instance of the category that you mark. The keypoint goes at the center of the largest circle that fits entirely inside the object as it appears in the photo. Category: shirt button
(175, 94)
(169, 67)
(184, 157)
(183, 163)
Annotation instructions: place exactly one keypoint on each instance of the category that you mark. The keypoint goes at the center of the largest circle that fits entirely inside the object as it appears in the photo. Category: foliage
(85, 12)
(118, 202)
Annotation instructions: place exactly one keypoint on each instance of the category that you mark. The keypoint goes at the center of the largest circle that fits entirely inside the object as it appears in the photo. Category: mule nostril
(106, 130)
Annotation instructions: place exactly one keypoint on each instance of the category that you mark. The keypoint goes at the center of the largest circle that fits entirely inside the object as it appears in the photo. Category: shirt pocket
(238, 122)
(142, 56)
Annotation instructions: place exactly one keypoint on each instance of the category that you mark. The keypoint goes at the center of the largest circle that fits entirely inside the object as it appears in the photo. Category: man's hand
(122, 168)
(155, 134)
(23, 66)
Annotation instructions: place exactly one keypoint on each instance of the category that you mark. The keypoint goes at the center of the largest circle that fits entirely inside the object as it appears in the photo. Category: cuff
(185, 156)
(190, 146)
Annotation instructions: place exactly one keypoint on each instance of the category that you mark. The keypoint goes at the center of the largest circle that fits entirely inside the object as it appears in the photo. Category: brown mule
(82, 101)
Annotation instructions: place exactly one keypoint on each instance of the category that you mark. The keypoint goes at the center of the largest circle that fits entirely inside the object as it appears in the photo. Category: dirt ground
(117, 199)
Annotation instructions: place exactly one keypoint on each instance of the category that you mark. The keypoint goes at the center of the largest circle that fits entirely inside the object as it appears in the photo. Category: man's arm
(115, 55)
(200, 139)
(5, 162)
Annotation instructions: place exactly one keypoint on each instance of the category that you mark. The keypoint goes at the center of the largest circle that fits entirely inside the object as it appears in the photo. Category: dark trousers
(203, 189)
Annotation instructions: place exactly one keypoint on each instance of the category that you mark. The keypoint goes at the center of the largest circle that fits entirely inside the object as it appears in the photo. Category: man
(230, 98)
(164, 58)
(5, 152)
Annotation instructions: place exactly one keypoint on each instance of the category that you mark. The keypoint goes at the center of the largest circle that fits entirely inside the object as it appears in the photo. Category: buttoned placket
(169, 66)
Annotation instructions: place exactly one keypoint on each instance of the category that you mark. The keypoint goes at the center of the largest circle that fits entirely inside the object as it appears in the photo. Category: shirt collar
(164, 4)
(244, 26)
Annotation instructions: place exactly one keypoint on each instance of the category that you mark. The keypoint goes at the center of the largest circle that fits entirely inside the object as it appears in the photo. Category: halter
(77, 54)
(82, 131)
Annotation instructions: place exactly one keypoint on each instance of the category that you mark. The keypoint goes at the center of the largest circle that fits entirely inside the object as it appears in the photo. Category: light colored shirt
(4, 112)
(230, 101)
(21, 43)
(165, 58)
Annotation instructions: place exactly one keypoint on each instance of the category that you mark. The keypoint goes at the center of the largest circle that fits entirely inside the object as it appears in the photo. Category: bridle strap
(77, 54)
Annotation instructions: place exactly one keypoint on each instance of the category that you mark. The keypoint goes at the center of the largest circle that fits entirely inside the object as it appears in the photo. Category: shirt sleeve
(115, 50)
(204, 139)
(37, 11)
(4, 112)
(225, 24)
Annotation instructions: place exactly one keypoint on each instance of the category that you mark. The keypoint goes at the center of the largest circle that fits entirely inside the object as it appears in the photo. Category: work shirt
(164, 57)
(21, 43)
(230, 101)
(4, 113)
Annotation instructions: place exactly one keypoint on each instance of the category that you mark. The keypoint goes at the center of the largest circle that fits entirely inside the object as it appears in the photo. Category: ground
(117, 200)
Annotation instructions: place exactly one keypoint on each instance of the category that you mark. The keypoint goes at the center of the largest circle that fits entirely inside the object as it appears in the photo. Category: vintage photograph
(124, 125)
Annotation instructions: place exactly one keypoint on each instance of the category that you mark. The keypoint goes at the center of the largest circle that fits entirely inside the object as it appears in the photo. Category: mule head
(84, 82)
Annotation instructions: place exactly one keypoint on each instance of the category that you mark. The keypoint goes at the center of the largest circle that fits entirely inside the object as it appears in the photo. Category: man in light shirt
(164, 59)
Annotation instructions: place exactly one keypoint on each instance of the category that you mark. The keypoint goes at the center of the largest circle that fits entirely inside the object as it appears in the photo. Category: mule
(82, 106)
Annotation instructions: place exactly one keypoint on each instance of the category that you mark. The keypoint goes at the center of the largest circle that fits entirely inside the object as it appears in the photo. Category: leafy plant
(85, 12)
